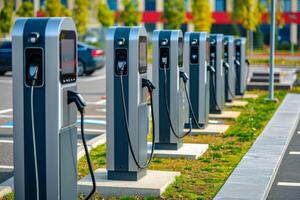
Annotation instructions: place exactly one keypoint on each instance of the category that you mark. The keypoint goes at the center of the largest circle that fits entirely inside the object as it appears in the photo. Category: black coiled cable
(168, 111)
(127, 128)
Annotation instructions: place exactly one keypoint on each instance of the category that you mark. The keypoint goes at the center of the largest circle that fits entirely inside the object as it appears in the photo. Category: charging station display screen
(142, 55)
(68, 56)
(180, 52)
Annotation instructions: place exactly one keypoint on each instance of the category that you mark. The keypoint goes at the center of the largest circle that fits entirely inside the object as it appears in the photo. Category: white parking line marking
(288, 184)
(101, 110)
(101, 102)
(294, 152)
(7, 141)
(6, 111)
(6, 126)
(92, 78)
(93, 130)
(93, 116)
(6, 116)
(6, 81)
(6, 167)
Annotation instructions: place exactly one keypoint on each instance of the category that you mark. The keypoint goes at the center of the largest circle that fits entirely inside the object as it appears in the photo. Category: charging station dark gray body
(241, 67)
(168, 49)
(126, 45)
(217, 79)
(50, 44)
(196, 59)
(229, 71)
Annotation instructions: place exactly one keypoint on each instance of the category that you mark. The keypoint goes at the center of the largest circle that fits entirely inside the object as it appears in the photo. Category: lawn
(202, 178)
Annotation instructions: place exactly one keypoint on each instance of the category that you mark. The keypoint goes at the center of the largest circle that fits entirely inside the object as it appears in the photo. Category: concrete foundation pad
(211, 129)
(247, 96)
(153, 184)
(226, 115)
(237, 103)
(187, 151)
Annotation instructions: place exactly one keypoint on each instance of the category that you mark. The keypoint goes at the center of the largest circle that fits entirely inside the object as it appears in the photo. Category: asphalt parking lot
(287, 181)
(93, 90)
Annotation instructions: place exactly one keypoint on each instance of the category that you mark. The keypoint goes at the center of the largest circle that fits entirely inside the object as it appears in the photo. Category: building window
(186, 5)
(285, 34)
(150, 5)
(150, 27)
(220, 5)
(287, 5)
(65, 3)
(184, 28)
(112, 4)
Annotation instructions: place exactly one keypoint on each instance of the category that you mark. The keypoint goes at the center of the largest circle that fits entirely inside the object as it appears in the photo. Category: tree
(54, 8)
(130, 16)
(6, 15)
(249, 14)
(106, 17)
(202, 17)
(26, 9)
(174, 13)
(279, 9)
(81, 15)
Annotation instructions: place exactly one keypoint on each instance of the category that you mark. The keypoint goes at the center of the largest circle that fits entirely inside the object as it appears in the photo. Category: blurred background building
(222, 9)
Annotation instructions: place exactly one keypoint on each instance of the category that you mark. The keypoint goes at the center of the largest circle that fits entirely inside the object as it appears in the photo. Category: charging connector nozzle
(184, 76)
(74, 97)
(147, 83)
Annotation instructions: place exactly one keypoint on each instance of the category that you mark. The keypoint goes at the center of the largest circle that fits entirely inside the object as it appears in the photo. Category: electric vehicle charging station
(196, 59)
(44, 104)
(229, 67)
(127, 109)
(241, 67)
(217, 78)
(167, 60)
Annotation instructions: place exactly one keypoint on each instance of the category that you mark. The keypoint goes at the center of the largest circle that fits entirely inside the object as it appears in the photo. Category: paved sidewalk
(253, 177)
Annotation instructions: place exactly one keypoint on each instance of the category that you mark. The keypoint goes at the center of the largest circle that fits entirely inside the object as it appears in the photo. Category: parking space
(93, 90)
(287, 182)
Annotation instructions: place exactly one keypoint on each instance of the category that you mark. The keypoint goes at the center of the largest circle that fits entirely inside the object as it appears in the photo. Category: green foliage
(202, 16)
(280, 21)
(106, 17)
(54, 8)
(6, 15)
(26, 9)
(248, 12)
(174, 13)
(130, 16)
(258, 40)
(81, 15)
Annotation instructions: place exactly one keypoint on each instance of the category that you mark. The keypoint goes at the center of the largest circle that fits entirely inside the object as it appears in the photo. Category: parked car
(89, 58)
(5, 57)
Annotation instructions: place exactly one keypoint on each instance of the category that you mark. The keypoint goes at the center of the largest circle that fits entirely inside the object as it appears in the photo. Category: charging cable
(168, 111)
(32, 76)
(213, 83)
(185, 78)
(228, 68)
(74, 97)
(150, 87)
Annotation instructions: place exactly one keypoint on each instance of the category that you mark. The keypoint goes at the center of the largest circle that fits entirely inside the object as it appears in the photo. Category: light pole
(35, 7)
(272, 52)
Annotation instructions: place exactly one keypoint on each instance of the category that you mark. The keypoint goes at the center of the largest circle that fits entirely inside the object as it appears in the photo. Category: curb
(255, 174)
